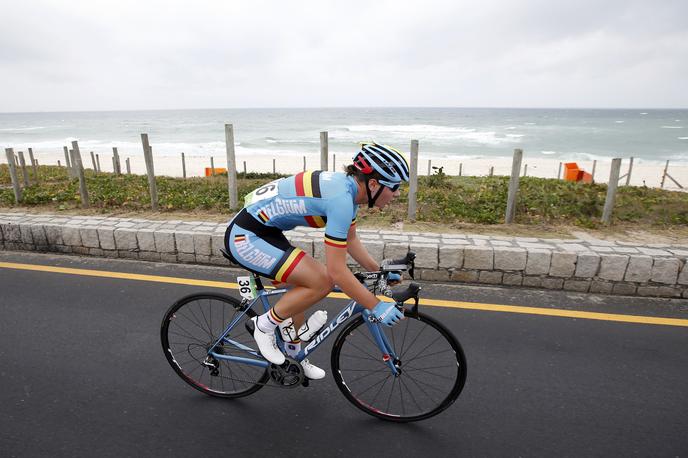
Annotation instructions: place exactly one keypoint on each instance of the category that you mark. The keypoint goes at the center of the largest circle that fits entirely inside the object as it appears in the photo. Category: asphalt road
(82, 374)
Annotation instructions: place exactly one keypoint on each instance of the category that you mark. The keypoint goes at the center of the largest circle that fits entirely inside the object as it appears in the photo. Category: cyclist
(317, 199)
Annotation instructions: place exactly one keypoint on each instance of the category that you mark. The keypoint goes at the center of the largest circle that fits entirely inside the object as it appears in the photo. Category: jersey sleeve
(339, 219)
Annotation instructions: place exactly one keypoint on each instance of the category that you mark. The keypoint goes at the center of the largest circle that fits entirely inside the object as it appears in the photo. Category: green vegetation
(441, 198)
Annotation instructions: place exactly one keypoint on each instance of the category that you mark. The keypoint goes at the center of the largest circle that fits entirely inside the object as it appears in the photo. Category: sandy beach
(643, 173)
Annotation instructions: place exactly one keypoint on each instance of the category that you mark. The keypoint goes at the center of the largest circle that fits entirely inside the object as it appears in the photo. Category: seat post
(259, 284)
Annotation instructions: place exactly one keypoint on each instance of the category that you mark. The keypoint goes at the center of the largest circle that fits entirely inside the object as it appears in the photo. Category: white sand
(649, 174)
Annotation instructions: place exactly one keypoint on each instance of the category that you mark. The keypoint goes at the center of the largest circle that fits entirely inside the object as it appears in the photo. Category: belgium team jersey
(315, 199)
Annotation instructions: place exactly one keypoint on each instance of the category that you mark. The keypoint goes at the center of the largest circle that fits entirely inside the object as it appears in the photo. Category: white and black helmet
(383, 159)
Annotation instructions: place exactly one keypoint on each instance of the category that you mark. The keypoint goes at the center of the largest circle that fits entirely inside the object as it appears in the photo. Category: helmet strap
(371, 198)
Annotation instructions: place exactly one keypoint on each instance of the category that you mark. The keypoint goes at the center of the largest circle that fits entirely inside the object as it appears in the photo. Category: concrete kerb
(572, 265)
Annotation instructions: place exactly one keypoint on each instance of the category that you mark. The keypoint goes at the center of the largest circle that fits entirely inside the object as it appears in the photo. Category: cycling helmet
(388, 162)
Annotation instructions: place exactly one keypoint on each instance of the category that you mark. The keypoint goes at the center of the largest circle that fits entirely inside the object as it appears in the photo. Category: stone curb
(656, 270)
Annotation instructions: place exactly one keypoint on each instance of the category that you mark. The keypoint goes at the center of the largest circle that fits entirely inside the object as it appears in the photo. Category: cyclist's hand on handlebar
(387, 313)
(394, 278)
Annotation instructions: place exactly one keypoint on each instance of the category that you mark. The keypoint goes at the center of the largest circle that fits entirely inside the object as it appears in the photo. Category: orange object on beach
(218, 170)
(573, 173)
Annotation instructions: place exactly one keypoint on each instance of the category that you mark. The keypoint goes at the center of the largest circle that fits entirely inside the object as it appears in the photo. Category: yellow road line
(426, 302)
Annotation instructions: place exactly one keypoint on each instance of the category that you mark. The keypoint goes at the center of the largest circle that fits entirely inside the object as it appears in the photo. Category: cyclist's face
(386, 196)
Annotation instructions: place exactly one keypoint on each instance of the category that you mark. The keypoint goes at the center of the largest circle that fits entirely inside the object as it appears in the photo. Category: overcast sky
(149, 54)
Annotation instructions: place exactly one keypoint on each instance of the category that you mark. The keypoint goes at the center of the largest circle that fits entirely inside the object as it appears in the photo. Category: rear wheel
(191, 326)
(430, 360)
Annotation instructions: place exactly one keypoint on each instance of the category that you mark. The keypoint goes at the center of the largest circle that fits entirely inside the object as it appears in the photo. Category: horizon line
(345, 107)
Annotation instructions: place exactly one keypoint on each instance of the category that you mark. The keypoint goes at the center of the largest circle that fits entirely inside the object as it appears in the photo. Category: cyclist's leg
(310, 283)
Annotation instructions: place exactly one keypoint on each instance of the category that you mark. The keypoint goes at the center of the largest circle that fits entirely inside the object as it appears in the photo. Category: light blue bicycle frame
(352, 308)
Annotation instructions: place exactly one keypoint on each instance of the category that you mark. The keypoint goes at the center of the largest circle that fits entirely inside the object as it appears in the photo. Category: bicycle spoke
(198, 325)
(430, 354)
(426, 347)
(360, 357)
(413, 398)
(363, 351)
(403, 341)
(407, 365)
(364, 376)
(434, 374)
(372, 386)
(414, 340)
(426, 384)
(391, 392)
(198, 322)
(378, 391)
(421, 388)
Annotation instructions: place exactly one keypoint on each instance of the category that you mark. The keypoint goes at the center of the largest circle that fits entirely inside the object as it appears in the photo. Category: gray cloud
(107, 54)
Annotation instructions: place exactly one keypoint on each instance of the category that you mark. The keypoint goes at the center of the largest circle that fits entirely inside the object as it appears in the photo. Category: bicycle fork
(389, 356)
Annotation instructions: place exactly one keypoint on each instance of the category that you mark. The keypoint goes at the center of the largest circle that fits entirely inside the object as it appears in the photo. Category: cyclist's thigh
(267, 252)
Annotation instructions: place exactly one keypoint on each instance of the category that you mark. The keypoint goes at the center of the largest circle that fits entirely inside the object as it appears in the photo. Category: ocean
(651, 136)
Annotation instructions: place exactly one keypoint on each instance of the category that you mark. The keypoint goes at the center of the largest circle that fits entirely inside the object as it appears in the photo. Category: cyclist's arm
(359, 252)
(342, 277)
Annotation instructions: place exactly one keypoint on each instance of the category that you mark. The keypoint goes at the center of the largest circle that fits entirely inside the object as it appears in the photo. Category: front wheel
(191, 327)
(430, 361)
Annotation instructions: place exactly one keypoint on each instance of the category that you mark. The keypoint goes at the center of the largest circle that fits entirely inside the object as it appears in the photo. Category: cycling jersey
(316, 199)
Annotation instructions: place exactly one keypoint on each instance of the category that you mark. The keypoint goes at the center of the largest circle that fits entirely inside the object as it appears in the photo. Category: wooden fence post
(150, 170)
(114, 165)
(611, 191)
(334, 162)
(559, 172)
(525, 170)
(231, 167)
(324, 147)
(304, 163)
(594, 166)
(93, 160)
(413, 181)
(628, 175)
(513, 186)
(273, 166)
(80, 173)
(68, 162)
(9, 152)
(429, 167)
(97, 162)
(34, 165)
(212, 166)
(492, 170)
(128, 167)
(666, 167)
(460, 168)
(183, 166)
(118, 165)
(25, 173)
(245, 169)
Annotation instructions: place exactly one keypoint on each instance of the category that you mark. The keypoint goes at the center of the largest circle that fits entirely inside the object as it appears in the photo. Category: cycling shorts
(261, 249)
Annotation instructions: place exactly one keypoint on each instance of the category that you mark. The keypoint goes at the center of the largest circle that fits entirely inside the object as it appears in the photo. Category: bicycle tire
(182, 321)
(353, 348)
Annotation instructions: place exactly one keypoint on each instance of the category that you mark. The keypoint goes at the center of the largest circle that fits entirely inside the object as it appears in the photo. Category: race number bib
(247, 287)
(264, 192)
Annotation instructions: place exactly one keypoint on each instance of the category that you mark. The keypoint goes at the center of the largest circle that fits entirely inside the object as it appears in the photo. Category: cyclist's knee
(323, 284)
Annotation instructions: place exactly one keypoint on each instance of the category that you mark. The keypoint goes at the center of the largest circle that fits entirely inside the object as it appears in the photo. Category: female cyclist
(317, 199)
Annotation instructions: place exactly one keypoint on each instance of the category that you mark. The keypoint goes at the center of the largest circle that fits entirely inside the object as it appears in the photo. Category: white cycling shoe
(267, 344)
(311, 371)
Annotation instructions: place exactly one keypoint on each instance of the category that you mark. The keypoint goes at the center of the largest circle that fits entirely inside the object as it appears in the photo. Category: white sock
(292, 348)
(268, 321)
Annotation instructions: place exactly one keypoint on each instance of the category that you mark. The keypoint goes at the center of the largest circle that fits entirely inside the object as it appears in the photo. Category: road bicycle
(408, 372)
